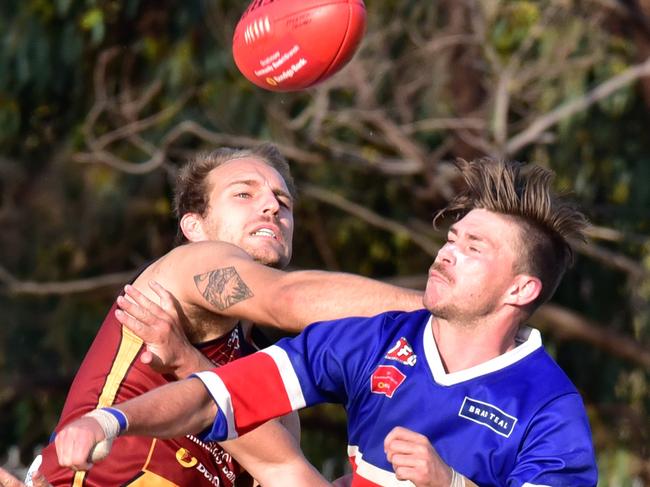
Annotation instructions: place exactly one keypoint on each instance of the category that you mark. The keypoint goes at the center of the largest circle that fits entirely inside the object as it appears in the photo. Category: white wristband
(457, 480)
(109, 422)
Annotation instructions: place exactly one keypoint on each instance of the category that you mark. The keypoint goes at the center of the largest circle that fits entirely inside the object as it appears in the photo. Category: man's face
(250, 206)
(475, 267)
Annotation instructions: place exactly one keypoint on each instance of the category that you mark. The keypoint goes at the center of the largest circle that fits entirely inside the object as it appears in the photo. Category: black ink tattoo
(222, 287)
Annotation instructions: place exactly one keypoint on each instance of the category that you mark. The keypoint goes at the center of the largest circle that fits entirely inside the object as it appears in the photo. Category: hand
(161, 328)
(75, 444)
(414, 458)
(8, 480)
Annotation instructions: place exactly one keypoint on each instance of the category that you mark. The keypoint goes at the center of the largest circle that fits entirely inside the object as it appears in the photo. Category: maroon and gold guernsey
(111, 373)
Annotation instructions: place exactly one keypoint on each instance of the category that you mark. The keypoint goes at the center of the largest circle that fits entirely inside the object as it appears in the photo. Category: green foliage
(75, 73)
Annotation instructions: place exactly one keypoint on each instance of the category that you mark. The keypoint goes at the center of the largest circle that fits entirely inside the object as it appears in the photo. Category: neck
(463, 345)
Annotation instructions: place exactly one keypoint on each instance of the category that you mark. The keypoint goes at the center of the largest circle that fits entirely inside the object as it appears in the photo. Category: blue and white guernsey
(515, 420)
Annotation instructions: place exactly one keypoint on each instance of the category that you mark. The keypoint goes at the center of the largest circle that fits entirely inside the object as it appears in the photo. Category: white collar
(528, 339)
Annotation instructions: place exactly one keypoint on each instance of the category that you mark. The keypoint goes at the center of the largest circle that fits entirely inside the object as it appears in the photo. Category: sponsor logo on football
(385, 380)
(487, 415)
(402, 352)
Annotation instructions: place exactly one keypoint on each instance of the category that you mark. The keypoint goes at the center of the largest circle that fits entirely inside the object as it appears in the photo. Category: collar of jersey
(528, 339)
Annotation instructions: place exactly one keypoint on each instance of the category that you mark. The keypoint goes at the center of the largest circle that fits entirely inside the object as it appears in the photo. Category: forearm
(194, 361)
(309, 296)
(272, 456)
(173, 410)
(224, 280)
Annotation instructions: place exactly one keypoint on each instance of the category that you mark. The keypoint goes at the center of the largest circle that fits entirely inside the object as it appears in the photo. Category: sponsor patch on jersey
(185, 458)
(402, 352)
(487, 415)
(386, 379)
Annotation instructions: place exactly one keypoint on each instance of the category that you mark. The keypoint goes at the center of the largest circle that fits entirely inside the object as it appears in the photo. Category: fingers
(8, 480)
(140, 303)
(39, 480)
(402, 440)
(147, 357)
(414, 458)
(139, 319)
(166, 298)
(140, 328)
(75, 443)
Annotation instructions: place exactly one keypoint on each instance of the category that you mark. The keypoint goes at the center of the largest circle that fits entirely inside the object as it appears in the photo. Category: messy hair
(192, 191)
(547, 221)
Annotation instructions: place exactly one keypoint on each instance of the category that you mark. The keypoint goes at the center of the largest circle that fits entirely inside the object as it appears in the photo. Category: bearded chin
(448, 312)
(267, 257)
(452, 312)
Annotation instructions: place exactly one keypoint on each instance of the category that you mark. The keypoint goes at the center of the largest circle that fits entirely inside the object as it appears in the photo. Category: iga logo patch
(385, 380)
(487, 415)
(402, 352)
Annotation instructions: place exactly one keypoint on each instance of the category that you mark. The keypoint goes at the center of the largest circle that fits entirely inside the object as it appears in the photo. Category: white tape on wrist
(457, 480)
(112, 421)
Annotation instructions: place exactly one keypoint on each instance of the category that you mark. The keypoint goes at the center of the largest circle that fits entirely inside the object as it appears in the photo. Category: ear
(523, 291)
(192, 227)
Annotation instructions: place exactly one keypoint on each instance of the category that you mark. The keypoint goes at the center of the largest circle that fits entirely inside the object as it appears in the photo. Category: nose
(269, 202)
(446, 254)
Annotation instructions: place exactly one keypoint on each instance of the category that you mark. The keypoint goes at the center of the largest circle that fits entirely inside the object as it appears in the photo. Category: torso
(510, 421)
(477, 419)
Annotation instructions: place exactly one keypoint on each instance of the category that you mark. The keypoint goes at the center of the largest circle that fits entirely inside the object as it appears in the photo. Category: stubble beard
(267, 257)
(461, 316)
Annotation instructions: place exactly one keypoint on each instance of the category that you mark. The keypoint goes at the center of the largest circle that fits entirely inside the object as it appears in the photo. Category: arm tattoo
(222, 288)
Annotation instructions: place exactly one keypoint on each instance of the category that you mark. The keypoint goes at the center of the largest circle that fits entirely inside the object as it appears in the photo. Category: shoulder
(194, 249)
(546, 376)
(365, 333)
(387, 321)
(189, 259)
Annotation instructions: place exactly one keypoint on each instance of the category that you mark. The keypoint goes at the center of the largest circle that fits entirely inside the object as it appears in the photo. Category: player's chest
(459, 419)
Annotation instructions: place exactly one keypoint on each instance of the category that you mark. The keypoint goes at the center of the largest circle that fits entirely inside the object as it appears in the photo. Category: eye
(475, 250)
(243, 195)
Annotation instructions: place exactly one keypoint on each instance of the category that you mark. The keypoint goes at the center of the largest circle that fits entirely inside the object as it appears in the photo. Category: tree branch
(566, 324)
(429, 246)
(537, 127)
(14, 286)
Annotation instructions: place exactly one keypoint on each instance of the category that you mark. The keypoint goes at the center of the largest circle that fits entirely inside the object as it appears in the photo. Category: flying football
(287, 45)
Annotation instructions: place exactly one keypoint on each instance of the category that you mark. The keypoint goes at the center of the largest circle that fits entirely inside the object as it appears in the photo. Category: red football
(285, 45)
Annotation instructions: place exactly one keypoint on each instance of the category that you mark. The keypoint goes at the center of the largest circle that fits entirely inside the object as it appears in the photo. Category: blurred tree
(101, 100)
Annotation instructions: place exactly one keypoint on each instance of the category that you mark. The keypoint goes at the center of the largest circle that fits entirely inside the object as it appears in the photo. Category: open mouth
(264, 232)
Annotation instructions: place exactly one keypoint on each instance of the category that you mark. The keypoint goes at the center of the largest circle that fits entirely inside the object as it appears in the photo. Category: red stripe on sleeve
(256, 390)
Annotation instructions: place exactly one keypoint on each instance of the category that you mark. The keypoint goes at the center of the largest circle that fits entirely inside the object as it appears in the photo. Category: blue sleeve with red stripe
(331, 359)
(325, 363)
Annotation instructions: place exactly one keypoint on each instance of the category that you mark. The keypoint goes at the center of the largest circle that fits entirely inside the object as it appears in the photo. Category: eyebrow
(473, 237)
(253, 182)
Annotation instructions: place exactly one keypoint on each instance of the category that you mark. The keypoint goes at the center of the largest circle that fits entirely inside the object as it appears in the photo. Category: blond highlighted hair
(548, 221)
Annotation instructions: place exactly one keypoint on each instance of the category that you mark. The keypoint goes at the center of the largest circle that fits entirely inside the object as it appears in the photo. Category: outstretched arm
(223, 279)
(173, 410)
(273, 457)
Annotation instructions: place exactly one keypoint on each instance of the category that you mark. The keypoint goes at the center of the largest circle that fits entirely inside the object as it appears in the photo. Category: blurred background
(101, 100)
